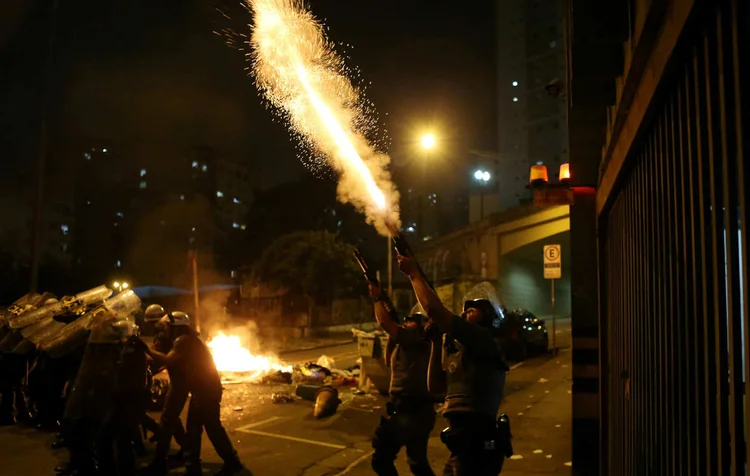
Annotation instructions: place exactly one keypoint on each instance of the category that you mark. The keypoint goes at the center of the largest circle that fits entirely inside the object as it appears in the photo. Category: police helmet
(176, 319)
(484, 298)
(154, 312)
(417, 313)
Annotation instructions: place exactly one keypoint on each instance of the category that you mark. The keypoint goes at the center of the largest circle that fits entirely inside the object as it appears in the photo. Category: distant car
(522, 334)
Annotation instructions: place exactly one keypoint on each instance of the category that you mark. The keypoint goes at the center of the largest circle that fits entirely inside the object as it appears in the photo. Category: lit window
(515, 99)
(64, 229)
(515, 83)
(195, 164)
(553, 44)
(87, 156)
(236, 200)
(193, 229)
(104, 151)
(204, 167)
(118, 264)
(116, 224)
(182, 197)
(339, 224)
(235, 225)
(143, 172)
(219, 193)
(64, 247)
(243, 227)
(144, 184)
(233, 274)
(88, 202)
(120, 214)
(410, 229)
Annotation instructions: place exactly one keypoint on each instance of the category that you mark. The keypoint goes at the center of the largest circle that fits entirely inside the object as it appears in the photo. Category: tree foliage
(316, 263)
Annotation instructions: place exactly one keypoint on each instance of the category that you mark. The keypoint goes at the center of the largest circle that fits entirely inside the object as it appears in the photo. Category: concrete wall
(521, 284)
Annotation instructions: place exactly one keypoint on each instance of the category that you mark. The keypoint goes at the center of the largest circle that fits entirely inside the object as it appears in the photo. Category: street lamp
(428, 141)
(120, 286)
(482, 176)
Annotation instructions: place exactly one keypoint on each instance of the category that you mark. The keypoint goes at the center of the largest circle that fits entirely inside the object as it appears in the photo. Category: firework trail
(297, 70)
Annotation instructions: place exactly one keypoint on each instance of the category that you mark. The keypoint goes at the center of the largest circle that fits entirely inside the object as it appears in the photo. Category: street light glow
(116, 284)
(125, 285)
(428, 141)
(482, 175)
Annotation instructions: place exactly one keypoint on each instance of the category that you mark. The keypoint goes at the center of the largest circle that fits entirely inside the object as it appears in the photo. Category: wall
(521, 283)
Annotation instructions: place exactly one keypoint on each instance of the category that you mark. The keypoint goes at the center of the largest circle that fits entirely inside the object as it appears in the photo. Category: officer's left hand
(408, 265)
(139, 344)
(375, 289)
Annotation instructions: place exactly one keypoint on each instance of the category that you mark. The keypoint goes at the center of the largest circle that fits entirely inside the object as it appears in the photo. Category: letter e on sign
(552, 262)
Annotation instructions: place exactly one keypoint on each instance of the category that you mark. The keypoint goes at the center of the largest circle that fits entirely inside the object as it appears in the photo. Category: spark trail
(299, 73)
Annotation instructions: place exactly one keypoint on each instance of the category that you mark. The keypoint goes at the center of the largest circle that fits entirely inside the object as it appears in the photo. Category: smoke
(301, 76)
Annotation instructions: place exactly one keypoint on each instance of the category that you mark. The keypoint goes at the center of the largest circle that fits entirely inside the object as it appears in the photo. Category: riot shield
(74, 334)
(91, 395)
(62, 306)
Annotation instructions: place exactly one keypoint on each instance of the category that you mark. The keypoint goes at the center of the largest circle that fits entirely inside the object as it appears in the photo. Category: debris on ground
(282, 397)
(326, 362)
(326, 402)
(277, 377)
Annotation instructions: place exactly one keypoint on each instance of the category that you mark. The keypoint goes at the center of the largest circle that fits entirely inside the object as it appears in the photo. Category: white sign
(552, 262)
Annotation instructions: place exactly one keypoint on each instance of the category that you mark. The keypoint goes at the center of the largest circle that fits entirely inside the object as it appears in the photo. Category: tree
(317, 264)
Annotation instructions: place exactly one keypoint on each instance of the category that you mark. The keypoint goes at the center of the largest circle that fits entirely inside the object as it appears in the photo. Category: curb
(315, 347)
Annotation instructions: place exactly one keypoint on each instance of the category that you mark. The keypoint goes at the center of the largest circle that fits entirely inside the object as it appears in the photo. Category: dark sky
(153, 73)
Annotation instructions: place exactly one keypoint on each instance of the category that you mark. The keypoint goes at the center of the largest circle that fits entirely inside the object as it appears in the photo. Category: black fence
(674, 258)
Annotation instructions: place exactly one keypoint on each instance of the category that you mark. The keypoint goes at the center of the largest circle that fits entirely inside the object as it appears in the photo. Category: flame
(230, 356)
(298, 72)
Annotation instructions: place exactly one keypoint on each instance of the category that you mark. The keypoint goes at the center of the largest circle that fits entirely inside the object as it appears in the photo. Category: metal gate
(674, 283)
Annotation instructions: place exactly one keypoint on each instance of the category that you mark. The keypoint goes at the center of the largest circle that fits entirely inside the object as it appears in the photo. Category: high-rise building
(532, 118)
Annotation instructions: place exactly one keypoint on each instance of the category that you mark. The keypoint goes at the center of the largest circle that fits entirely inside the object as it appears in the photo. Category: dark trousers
(114, 445)
(406, 424)
(466, 437)
(204, 412)
(169, 423)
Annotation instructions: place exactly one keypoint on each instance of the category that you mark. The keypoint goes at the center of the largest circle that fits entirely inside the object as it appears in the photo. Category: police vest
(409, 365)
(474, 383)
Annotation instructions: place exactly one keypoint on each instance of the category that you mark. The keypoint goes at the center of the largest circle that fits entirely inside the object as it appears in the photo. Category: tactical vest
(409, 366)
(473, 384)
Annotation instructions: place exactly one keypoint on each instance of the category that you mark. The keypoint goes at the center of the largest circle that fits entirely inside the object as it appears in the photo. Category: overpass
(504, 248)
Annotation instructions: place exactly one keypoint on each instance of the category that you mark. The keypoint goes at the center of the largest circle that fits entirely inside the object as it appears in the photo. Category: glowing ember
(298, 71)
(230, 356)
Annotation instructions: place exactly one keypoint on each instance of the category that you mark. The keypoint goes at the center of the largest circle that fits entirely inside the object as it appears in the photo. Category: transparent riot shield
(62, 306)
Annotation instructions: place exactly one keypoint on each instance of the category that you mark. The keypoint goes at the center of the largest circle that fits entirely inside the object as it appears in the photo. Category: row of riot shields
(42, 322)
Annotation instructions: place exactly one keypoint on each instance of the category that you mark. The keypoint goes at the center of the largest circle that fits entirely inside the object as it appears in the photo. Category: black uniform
(410, 413)
(473, 361)
(196, 367)
(170, 424)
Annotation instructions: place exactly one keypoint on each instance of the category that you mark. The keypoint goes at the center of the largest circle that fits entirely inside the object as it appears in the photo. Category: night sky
(154, 73)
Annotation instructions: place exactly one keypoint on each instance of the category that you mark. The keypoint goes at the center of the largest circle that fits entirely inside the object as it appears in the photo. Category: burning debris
(237, 364)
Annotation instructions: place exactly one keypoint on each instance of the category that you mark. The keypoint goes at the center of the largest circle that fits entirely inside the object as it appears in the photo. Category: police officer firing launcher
(410, 413)
(475, 366)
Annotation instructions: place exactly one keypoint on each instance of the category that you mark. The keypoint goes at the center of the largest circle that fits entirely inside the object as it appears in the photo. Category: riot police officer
(170, 424)
(192, 365)
(410, 413)
(475, 366)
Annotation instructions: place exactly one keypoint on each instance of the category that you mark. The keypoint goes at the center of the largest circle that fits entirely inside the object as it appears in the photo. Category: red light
(564, 172)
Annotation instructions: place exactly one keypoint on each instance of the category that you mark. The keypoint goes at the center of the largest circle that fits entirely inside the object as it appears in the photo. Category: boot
(155, 468)
(231, 467)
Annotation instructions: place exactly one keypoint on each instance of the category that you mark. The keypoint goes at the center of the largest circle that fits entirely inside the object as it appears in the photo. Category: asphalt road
(284, 439)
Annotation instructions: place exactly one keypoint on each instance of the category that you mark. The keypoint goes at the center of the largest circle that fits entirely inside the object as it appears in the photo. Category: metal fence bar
(675, 265)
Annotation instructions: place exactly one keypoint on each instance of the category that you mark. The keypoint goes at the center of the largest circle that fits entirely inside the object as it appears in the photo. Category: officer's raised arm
(385, 313)
(426, 296)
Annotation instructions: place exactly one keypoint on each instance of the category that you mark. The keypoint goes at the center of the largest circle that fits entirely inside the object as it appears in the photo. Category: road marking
(293, 438)
(355, 463)
(258, 423)
(515, 366)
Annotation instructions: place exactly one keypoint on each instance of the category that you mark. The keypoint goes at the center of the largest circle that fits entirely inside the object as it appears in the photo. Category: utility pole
(36, 251)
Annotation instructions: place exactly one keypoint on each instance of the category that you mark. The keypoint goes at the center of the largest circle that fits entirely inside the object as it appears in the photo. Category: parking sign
(552, 262)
